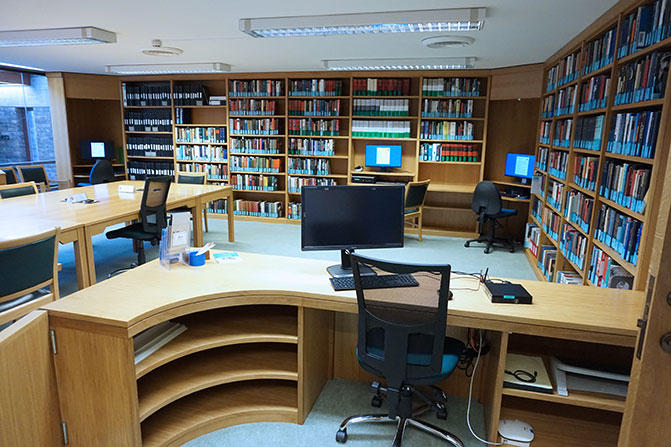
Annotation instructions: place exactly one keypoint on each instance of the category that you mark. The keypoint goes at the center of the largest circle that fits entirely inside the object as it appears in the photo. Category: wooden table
(276, 318)
(79, 222)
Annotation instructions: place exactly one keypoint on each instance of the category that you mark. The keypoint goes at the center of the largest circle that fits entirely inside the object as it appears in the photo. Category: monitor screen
(387, 156)
(520, 165)
(351, 217)
(97, 149)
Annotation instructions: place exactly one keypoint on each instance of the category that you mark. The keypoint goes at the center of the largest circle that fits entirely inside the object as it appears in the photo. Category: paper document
(383, 156)
(226, 257)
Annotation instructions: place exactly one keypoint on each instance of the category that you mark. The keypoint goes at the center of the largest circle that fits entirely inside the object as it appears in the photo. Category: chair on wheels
(153, 218)
(101, 172)
(17, 190)
(488, 206)
(193, 178)
(401, 338)
(29, 265)
(415, 194)
(37, 174)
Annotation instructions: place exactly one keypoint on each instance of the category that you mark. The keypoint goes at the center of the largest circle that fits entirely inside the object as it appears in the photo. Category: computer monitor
(346, 218)
(383, 156)
(94, 150)
(520, 165)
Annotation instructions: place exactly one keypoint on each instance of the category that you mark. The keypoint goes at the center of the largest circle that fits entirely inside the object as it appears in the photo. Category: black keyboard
(375, 282)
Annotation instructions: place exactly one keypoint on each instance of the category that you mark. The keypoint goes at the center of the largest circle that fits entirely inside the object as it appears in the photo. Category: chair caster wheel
(341, 436)
(375, 387)
(466, 244)
(376, 401)
(488, 250)
(439, 395)
(441, 411)
(512, 250)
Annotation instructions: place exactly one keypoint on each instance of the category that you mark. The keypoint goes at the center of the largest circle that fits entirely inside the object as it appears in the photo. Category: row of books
(309, 166)
(446, 130)
(201, 153)
(296, 183)
(588, 131)
(634, 133)
(585, 171)
(536, 208)
(548, 108)
(149, 146)
(448, 152)
(569, 277)
(558, 163)
(599, 52)
(314, 107)
(255, 164)
(257, 208)
(562, 136)
(578, 209)
(542, 158)
(545, 132)
(380, 107)
(625, 183)
(547, 260)
(381, 87)
(451, 87)
(565, 103)
(148, 120)
(183, 115)
(255, 145)
(620, 232)
(594, 93)
(252, 107)
(294, 210)
(605, 272)
(315, 87)
(213, 171)
(312, 146)
(551, 223)
(145, 94)
(217, 206)
(573, 245)
(254, 126)
(447, 108)
(140, 170)
(646, 25)
(383, 129)
(200, 134)
(542, 180)
(532, 234)
(555, 194)
(252, 182)
(564, 72)
(310, 126)
(190, 95)
(256, 87)
(643, 79)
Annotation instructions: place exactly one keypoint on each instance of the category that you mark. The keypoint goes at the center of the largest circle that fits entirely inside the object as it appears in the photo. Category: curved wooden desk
(264, 335)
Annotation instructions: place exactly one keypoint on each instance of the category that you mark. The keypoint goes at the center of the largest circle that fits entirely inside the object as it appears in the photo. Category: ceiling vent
(447, 41)
(159, 50)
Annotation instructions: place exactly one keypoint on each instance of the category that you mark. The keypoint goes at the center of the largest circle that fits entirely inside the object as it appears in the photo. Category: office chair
(401, 338)
(28, 266)
(197, 178)
(488, 206)
(17, 190)
(10, 175)
(153, 218)
(102, 172)
(37, 174)
(415, 194)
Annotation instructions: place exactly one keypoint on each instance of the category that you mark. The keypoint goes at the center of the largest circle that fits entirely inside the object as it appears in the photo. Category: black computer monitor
(346, 218)
(520, 165)
(96, 150)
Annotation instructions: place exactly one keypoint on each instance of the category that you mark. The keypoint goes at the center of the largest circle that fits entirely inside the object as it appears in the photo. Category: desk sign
(76, 198)
(126, 189)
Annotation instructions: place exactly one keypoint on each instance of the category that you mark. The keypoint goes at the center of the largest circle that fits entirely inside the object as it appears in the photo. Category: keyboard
(375, 282)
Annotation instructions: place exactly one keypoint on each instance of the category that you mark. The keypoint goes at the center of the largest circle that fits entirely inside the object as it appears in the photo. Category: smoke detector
(158, 49)
(447, 41)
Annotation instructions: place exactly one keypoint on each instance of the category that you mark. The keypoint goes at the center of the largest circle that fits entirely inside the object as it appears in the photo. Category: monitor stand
(345, 267)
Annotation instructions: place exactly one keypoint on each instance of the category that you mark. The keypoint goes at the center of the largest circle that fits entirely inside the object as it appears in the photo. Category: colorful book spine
(312, 146)
(599, 52)
(255, 164)
(562, 135)
(314, 107)
(437, 152)
(256, 87)
(382, 129)
(573, 245)
(643, 79)
(451, 87)
(558, 164)
(315, 87)
(200, 135)
(585, 171)
(594, 93)
(196, 152)
(542, 158)
(634, 134)
(217, 172)
(578, 209)
(380, 107)
(252, 182)
(626, 184)
(309, 166)
(257, 208)
(446, 130)
(588, 132)
(265, 146)
(381, 87)
(620, 232)
(296, 183)
(250, 126)
(294, 210)
(252, 107)
(446, 108)
(311, 126)
(566, 98)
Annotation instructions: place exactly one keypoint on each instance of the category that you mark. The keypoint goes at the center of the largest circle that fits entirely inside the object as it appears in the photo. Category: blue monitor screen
(520, 165)
(387, 156)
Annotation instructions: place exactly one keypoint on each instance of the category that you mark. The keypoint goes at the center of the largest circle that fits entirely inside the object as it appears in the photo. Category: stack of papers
(147, 342)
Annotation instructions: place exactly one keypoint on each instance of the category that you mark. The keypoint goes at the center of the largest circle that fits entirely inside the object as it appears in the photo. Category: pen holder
(196, 260)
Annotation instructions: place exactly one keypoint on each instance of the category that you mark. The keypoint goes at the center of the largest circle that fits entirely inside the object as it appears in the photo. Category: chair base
(492, 242)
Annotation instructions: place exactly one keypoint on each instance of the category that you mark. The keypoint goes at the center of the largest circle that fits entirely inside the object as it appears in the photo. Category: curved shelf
(214, 329)
(577, 398)
(214, 367)
(221, 407)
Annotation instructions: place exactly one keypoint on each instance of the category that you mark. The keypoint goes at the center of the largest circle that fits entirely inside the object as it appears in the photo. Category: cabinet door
(29, 410)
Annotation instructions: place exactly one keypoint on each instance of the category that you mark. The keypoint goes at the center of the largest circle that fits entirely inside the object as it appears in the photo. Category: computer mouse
(358, 168)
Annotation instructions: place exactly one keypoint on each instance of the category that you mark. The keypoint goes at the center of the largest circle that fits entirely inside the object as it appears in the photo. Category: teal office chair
(101, 172)
(401, 338)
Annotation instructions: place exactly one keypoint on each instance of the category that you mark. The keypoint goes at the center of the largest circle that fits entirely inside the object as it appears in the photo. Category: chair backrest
(27, 265)
(199, 178)
(486, 199)
(102, 172)
(415, 193)
(401, 332)
(33, 173)
(10, 175)
(154, 197)
(17, 190)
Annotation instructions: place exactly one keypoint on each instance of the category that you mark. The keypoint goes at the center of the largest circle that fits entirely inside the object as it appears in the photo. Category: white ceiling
(516, 32)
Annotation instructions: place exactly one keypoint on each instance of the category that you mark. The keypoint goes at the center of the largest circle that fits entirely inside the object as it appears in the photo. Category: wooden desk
(265, 334)
(79, 222)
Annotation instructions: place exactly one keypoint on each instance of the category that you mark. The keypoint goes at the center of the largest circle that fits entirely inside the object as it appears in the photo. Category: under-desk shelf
(576, 398)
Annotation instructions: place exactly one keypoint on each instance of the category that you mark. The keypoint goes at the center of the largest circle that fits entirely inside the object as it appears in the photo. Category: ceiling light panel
(210, 67)
(438, 63)
(56, 36)
(420, 21)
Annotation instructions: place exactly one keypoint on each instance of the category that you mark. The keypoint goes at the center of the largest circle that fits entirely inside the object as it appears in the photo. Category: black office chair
(10, 175)
(413, 213)
(193, 178)
(153, 218)
(37, 174)
(401, 338)
(488, 206)
(18, 190)
(102, 172)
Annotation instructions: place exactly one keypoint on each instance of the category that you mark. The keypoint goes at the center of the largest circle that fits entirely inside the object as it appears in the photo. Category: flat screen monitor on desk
(520, 165)
(346, 218)
(96, 150)
(383, 156)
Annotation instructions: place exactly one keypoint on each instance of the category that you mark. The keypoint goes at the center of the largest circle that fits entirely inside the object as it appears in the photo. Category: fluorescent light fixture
(204, 67)
(427, 63)
(18, 67)
(56, 36)
(420, 21)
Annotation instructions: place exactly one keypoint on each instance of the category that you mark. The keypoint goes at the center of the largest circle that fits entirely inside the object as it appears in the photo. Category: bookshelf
(599, 155)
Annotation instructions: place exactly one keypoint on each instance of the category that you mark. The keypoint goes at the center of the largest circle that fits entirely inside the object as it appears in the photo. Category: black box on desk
(506, 292)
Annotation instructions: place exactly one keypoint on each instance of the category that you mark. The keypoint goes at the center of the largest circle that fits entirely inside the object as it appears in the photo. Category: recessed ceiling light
(429, 20)
(56, 36)
(447, 41)
(208, 67)
(428, 63)
(157, 49)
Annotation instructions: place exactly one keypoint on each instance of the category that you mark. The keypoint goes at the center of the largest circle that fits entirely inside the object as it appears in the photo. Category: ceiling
(516, 32)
